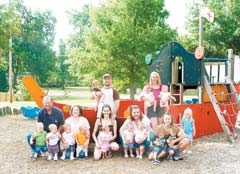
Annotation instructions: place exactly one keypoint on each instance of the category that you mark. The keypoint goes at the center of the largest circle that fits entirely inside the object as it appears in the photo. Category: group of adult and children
(153, 131)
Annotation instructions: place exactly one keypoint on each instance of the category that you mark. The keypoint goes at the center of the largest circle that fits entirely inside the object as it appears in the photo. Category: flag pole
(200, 44)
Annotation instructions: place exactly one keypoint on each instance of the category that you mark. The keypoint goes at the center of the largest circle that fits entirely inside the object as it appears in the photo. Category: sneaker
(49, 158)
(72, 158)
(140, 157)
(132, 156)
(156, 162)
(62, 157)
(137, 157)
(35, 155)
(126, 155)
(55, 158)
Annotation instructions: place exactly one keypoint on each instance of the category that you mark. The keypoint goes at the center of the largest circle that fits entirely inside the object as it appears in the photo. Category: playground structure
(218, 99)
(180, 70)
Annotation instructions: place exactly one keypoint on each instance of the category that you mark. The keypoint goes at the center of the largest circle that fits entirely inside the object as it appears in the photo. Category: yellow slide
(34, 89)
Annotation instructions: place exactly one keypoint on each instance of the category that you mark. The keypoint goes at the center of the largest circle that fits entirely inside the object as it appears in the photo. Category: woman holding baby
(155, 113)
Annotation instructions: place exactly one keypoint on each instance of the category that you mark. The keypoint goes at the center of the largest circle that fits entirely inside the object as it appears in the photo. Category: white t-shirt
(145, 121)
(69, 138)
(76, 123)
(52, 138)
(128, 135)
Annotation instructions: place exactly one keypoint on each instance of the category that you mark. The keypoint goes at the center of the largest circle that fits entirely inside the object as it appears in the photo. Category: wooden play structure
(180, 70)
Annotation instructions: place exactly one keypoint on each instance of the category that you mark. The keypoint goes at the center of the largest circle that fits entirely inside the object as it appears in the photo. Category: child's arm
(88, 138)
(59, 136)
(173, 98)
(194, 128)
(31, 139)
(76, 138)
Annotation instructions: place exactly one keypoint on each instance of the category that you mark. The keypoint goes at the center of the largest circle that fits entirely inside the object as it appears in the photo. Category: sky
(177, 9)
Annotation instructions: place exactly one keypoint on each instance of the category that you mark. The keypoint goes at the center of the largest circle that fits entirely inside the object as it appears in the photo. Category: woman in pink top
(155, 115)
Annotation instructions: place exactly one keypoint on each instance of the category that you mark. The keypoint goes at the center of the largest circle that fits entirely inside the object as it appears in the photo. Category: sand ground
(211, 154)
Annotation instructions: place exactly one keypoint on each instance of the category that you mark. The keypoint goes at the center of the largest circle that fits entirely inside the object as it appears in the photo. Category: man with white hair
(49, 114)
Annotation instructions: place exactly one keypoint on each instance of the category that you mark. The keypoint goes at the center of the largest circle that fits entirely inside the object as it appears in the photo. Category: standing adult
(49, 114)
(110, 96)
(106, 119)
(155, 114)
(135, 118)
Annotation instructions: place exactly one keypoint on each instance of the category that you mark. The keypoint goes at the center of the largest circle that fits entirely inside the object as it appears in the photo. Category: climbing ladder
(219, 111)
(229, 81)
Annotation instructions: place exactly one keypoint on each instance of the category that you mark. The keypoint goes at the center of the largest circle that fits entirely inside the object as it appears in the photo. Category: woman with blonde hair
(155, 114)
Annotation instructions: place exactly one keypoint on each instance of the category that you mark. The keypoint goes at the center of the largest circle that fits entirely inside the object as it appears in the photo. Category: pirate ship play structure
(216, 107)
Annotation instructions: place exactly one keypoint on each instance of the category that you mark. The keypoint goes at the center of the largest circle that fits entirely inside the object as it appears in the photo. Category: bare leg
(183, 144)
(141, 151)
(150, 156)
(154, 122)
(162, 154)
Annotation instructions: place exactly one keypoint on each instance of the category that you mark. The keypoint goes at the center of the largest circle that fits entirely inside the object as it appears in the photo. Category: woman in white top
(76, 119)
(136, 117)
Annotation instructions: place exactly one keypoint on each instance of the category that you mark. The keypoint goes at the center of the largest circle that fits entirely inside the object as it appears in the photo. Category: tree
(222, 34)
(33, 47)
(63, 66)
(119, 36)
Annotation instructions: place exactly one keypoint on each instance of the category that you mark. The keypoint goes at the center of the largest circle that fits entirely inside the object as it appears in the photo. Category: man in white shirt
(110, 96)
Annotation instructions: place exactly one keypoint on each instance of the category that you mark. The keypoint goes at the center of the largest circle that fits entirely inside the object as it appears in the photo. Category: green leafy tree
(33, 47)
(63, 66)
(222, 34)
(117, 39)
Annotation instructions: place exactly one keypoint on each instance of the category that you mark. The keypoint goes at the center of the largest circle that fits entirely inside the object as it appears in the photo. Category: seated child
(53, 138)
(173, 151)
(148, 98)
(104, 138)
(82, 139)
(68, 141)
(159, 144)
(141, 135)
(128, 140)
(165, 97)
(39, 138)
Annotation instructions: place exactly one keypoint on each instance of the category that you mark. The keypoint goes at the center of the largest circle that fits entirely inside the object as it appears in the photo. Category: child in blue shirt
(188, 126)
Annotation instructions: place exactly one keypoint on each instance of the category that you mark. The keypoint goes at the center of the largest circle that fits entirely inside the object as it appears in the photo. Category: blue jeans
(28, 140)
(39, 149)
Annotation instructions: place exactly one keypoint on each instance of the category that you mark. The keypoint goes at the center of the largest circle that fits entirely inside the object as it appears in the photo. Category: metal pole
(10, 70)
(200, 44)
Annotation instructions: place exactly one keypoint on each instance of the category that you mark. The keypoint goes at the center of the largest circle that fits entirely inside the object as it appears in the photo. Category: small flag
(207, 13)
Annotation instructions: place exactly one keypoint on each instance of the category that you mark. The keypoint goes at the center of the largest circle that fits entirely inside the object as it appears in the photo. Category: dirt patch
(211, 154)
